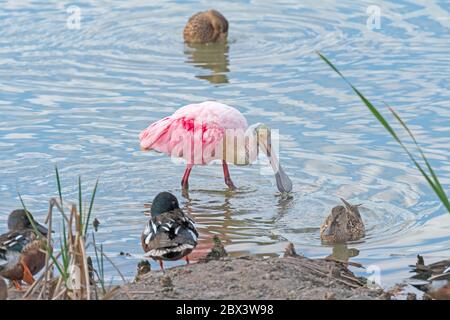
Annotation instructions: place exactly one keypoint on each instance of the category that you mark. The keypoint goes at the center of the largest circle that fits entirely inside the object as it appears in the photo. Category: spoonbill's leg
(226, 174)
(184, 181)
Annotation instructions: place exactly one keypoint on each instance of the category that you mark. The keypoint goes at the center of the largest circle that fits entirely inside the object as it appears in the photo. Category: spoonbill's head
(164, 202)
(22, 220)
(262, 136)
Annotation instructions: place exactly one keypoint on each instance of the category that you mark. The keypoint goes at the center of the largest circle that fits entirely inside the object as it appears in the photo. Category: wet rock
(330, 295)
(289, 251)
(126, 254)
(411, 296)
(217, 251)
(166, 282)
(143, 267)
(228, 268)
(426, 296)
(335, 272)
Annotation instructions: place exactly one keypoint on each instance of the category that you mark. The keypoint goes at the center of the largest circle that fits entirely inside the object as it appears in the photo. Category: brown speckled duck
(170, 234)
(343, 224)
(205, 27)
(22, 252)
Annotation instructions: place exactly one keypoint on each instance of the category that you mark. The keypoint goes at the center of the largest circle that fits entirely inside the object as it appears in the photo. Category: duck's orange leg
(161, 264)
(17, 285)
(27, 275)
(187, 260)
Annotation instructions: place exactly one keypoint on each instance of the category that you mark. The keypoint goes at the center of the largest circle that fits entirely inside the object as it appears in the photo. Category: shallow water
(78, 98)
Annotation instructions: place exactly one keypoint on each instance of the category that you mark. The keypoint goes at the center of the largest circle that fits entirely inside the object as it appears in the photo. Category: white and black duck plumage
(170, 234)
(22, 253)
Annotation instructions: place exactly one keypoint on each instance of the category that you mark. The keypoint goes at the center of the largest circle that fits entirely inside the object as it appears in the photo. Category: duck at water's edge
(3, 289)
(22, 249)
(170, 234)
(343, 224)
(205, 27)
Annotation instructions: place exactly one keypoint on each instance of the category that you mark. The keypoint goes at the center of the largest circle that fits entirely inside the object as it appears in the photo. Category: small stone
(143, 267)
(335, 272)
(411, 296)
(426, 296)
(330, 295)
(290, 251)
(166, 282)
(217, 251)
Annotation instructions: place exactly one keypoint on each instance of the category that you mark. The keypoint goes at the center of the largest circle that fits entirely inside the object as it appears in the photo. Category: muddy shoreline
(251, 277)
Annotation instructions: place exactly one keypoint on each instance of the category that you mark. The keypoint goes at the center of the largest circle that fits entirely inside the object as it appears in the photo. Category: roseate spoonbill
(207, 131)
(205, 27)
(22, 254)
(170, 234)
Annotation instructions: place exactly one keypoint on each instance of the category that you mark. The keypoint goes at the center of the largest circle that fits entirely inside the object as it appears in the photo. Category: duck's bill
(284, 183)
(43, 230)
(327, 231)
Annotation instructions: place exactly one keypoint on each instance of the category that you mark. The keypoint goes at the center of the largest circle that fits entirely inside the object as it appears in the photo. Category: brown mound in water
(252, 277)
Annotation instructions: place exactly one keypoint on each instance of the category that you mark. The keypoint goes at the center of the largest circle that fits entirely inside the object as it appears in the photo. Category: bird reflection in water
(341, 252)
(212, 57)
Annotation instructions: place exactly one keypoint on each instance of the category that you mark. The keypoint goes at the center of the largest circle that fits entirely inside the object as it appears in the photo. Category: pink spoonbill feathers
(204, 132)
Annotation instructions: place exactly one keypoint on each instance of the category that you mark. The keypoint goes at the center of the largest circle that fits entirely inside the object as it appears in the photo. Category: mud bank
(252, 277)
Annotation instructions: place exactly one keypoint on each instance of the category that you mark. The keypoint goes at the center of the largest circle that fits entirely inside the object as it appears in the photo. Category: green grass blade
(58, 182)
(433, 181)
(30, 218)
(439, 190)
(60, 270)
(64, 250)
(99, 262)
(91, 205)
(369, 105)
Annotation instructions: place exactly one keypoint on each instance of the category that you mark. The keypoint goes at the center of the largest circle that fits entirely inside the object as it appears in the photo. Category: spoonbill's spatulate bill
(208, 131)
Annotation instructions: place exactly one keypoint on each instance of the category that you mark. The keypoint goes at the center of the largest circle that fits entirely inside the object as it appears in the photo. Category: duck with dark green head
(170, 234)
(22, 248)
(343, 224)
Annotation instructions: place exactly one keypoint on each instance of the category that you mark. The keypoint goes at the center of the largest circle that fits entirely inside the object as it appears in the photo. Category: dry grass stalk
(74, 279)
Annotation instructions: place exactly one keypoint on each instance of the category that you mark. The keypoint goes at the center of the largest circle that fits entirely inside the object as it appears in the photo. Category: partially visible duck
(22, 249)
(343, 224)
(205, 27)
(436, 277)
(425, 272)
(3, 289)
(170, 234)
